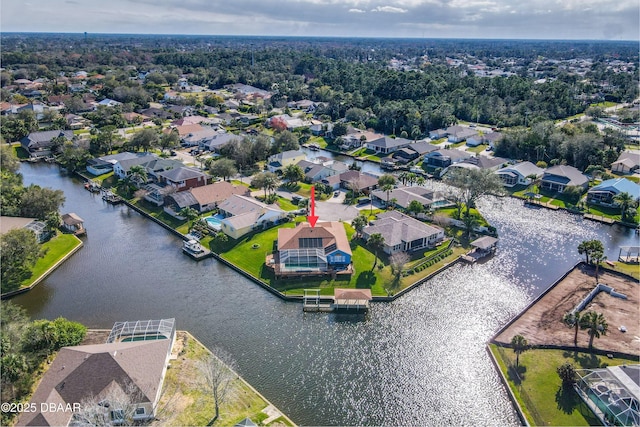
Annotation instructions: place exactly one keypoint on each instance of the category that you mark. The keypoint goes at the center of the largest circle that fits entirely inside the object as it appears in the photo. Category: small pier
(195, 250)
(600, 218)
(342, 300)
(482, 247)
(111, 198)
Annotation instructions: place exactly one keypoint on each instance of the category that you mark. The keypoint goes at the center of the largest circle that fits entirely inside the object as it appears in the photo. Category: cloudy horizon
(485, 19)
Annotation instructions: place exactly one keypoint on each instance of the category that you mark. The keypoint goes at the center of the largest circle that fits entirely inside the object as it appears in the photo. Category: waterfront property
(101, 371)
(612, 393)
(244, 214)
(482, 247)
(402, 233)
(278, 162)
(39, 228)
(403, 196)
(72, 223)
(519, 174)
(445, 157)
(306, 250)
(105, 164)
(387, 145)
(342, 300)
(627, 163)
(559, 177)
(38, 144)
(604, 193)
(477, 163)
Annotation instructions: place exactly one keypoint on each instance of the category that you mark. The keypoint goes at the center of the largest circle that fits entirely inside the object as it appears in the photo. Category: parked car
(336, 193)
(364, 201)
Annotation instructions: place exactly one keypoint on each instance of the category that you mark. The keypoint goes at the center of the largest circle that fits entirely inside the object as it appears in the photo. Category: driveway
(334, 211)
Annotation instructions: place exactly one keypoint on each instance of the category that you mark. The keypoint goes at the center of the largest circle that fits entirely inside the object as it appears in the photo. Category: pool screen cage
(142, 330)
(613, 396)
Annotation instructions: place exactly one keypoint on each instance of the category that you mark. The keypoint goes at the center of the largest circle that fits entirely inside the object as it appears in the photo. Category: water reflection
(420, 360)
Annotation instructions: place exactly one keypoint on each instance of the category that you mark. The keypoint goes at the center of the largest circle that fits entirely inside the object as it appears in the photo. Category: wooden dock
(600, 218)
(342, 300)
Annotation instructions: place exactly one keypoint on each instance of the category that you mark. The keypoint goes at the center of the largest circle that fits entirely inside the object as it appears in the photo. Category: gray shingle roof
(397, 228)
(181, 174)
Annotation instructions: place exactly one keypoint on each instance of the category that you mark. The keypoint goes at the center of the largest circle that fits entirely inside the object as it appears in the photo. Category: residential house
(305, 249)
(248, 91)
(185, 130)
(219, 140)
(192, 120)
(477, 162)
(627, 163)
(291, 123)
(183, 178)
(76, 122)
(278, 162)
(605, 192)
(122, 166)
(108, 103)
(156, 113)
(134, 118)
(445, 157)
(209, 196)
(358, 181)
(174, 202)
(180, 110)
(557, 178)
(244, 214)
(491, 138)
(39, 228)
(155, 165)
(39, 144)
(402, 233)
(386, 145)
(106, 371)
(403, 196)
(519, 174)
(198, 138)
(105, 164)
(422, 147)
(321, 129)
(332, 181)
(459, 133)
(437, 134)
(37, 108)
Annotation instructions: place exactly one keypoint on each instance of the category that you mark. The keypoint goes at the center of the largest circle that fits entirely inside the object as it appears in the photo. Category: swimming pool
(213, 221)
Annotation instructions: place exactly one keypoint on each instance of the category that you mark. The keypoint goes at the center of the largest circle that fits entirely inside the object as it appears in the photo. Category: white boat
(192, 246)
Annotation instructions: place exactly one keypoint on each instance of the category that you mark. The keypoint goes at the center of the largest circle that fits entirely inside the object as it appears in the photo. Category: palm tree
(359, 223)
(387, 188)
(137, 175)
(624, 201)
(403, 177)
(470, 222)
(188, 213)
(420, 180)
(597, 257)
(376, 241)
(411, 178)
(595, 324)
(293, 173)
(520, 345)
(572, 320)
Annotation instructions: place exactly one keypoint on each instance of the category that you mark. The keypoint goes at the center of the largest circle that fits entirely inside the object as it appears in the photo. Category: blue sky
(507, 19)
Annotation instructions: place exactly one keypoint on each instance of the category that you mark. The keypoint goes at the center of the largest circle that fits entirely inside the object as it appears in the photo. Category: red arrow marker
(312, 219)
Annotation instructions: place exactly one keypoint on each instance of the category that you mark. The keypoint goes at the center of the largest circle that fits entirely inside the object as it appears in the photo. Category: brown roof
(90, 370)
(71, 219)
(217, 192)
(358, 178)
(352, 294)
(8, 223)
(186, 129)
(330, 233)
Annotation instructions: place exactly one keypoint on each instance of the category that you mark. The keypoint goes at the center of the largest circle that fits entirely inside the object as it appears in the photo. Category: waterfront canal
(420, 360)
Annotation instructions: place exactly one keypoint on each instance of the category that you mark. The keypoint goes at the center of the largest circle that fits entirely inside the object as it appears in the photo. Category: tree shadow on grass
(567, 399)
(516, 374)
(366, 280)
(585, 360)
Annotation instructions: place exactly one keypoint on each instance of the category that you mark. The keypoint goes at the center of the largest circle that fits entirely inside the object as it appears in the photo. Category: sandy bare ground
(542, 322)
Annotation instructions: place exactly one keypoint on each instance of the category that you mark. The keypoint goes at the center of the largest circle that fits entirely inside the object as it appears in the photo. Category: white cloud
(357, 11)
(389, 9)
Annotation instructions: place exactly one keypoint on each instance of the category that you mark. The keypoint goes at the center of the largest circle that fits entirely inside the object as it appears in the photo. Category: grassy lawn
(539, 390)
(607, 212)
(21, 153)
(319, 141)
(480, 148)
(632, 270)
(160, 214)
(451, 213)
(57, 248)
(286, 205)
(604, 104)
(249, 254)
(184, 403)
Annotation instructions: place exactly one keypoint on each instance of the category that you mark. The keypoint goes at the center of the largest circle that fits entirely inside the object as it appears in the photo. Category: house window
(339, 259)
(310, 242)
(140, 410)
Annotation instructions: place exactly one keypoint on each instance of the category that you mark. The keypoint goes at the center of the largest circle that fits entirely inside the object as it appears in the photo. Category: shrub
(567, 373)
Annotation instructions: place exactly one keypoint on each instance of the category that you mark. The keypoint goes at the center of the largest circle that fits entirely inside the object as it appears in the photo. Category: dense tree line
(579, 145)
(344, 74)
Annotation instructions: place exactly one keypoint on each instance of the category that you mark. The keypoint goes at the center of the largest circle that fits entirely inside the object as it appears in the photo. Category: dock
(111, 198)
(342, 300)
(206, 253)
(600, 218)
(482, 247)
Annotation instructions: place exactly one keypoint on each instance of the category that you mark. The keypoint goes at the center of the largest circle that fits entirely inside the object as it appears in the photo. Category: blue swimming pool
(213, 221)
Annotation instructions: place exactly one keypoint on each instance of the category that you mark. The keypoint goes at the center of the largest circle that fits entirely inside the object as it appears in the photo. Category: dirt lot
(542, 322)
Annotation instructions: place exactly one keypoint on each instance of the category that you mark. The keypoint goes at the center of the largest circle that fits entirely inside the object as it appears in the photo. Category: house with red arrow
(311, 251)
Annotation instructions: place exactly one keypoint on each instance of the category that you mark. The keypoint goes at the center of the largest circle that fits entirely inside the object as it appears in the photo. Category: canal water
(420, 360)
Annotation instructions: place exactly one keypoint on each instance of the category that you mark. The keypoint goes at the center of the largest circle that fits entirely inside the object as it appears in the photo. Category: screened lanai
(142, 330)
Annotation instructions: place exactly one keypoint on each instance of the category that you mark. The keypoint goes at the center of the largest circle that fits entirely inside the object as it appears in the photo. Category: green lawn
(56, 249)
(604, 104)
(319, 141)
(183, 403)
(21, 153)
(480, 148)
(250, 252)
(607, 212)
(286, 204)
(451, 212)
(539, 389)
